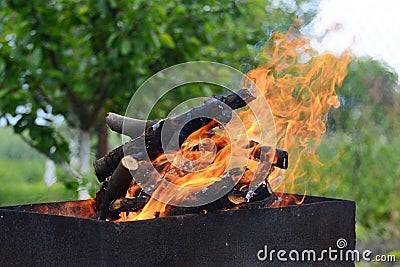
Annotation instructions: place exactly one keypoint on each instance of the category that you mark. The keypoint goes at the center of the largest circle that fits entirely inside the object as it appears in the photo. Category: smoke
(365, 28)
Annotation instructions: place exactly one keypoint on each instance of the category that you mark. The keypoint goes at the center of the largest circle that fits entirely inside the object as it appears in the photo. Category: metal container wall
(225, 238)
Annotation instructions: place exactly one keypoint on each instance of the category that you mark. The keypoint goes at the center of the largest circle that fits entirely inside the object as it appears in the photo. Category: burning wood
(237, 197)
(128, 204)
(118, 185)
(217, 110)
(147, 146)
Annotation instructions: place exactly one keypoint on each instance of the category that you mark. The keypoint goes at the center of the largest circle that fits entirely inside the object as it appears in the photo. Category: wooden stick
(105, 166)
(260, 204)
(262, 197)
(128, 204)
(230, 200)
(264, 153)
(261, 194)
(127, 126)
(118, 185)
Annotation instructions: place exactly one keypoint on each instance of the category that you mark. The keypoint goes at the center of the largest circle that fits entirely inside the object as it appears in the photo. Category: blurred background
(65, 64)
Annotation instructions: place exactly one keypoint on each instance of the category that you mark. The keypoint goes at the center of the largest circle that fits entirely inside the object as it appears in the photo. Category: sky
(364, 27)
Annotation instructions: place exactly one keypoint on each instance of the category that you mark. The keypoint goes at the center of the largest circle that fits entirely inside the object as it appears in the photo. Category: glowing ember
(299, 86)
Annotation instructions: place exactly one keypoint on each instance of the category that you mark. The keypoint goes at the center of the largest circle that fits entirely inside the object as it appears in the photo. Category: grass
(21, 174)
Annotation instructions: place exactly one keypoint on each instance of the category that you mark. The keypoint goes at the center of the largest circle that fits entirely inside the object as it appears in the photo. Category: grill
(66, 236)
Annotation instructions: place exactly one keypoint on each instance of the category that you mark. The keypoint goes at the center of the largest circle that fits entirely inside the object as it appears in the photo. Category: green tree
(363, 140)
(73, 61)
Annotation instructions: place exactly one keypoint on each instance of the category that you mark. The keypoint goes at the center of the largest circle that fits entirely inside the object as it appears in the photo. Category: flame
(198, 165)
(299, 85)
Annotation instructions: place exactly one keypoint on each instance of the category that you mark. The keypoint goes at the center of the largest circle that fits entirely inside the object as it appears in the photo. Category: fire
(199, 165)
(299, 85)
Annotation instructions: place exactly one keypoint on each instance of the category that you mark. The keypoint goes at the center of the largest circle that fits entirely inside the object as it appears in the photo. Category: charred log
(128, 204)
(260, 204)
(105, 166)
(121, 179)
(214, 112)
(118, 185)
(264, 154)
(261, 197)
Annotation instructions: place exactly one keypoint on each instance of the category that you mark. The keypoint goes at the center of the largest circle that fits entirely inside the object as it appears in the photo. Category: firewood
(261, 196)
(127, 126)
(128, 204)
(105, 166)
(259, 204)
(118, 185)
(121, 179)
(216, 110)
(235, 198)
(239, 194)
(263, 154)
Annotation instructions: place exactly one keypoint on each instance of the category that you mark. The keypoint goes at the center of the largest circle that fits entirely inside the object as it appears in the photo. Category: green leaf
(166, 40)
(55, 73)
(2, 66)
(125, 47)
(36, 57)
(155, 40)
(3, 93)
(82, 10)
(71, 185)
(102, 8)
(113, 3)
(110, 40)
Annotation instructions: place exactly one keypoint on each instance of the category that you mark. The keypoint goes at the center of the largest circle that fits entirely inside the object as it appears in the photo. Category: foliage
(79, 59)
(360, 150)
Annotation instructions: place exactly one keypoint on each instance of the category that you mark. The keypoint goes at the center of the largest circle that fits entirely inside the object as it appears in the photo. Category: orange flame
(209, 169)
(299, 85)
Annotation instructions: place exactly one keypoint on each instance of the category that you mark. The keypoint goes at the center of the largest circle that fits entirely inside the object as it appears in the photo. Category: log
(121, 180)
(128, 204)
(127, 126)
(241, 196)
(237, 196)
(105, 166)
(260, 204)
(118, 185)
(261, 196)
(211, 113)
(263, 154)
